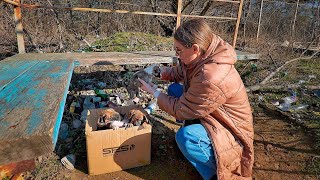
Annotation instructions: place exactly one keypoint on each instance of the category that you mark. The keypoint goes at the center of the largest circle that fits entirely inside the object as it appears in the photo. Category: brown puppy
(106, 117)
(137, 117)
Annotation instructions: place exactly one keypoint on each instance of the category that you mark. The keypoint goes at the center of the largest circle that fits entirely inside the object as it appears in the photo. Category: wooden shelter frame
(19, 28)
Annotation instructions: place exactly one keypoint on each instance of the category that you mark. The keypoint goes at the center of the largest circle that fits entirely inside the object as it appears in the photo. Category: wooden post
(19, 28)
(179, 13)
(11, 2)
(237, 24)
(261, 7)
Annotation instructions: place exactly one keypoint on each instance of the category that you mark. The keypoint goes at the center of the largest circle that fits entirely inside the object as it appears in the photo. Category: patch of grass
(132, 41)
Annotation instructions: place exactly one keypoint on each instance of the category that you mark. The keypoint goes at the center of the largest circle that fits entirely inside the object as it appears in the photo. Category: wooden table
(32, 98)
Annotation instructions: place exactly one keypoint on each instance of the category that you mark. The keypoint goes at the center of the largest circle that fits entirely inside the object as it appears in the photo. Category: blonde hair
(194, 31)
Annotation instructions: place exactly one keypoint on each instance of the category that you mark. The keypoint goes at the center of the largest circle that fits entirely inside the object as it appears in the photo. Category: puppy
(134, 84)
(145, 74)
(137, 116)
(109, 119)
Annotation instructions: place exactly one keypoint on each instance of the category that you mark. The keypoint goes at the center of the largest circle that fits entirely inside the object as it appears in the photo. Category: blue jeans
(175, 90)
(194, 143)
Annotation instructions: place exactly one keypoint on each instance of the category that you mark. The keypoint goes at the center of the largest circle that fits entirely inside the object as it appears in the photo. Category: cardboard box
(114, 150)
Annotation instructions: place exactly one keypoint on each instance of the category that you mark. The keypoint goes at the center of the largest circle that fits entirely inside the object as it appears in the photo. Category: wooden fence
(19, 28)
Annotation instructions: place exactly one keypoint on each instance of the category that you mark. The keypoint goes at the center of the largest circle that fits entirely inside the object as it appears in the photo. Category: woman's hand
(147, 87)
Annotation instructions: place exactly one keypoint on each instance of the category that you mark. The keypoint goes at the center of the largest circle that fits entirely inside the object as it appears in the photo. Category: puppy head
(110, 115)
(136, 117)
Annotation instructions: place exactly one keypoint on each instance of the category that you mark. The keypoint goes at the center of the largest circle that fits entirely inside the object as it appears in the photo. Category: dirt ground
(282, 149)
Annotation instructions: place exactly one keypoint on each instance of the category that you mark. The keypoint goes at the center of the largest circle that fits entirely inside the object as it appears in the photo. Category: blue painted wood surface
(32, 98)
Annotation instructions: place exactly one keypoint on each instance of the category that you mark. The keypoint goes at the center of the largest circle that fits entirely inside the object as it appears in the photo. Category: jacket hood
(220, 51)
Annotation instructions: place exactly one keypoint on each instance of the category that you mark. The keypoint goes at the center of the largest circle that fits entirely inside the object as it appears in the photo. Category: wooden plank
(209, 17)
(19, 28)
(244, 56)
(31, 109)
(12, 70)
(30, 6)
(227, 1)
(179, 13)
(11, 2)
(237, 24)
(115, 58)
(103, 58)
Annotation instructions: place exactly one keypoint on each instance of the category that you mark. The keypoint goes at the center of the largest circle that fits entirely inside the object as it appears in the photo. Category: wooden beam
(179, 13)
(19, 28)
(96, 10)
(237, 24)
(121, 11)
(11, 2)
(209, 17)
(228, 1)
(115, 58)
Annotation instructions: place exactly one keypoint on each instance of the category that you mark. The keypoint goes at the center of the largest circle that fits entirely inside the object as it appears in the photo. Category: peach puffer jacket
(215, 94)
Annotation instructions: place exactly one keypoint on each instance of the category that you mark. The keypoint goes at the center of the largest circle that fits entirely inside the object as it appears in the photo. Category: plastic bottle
(101, 93)
(63, 131)
(151, 107)
(73, 106)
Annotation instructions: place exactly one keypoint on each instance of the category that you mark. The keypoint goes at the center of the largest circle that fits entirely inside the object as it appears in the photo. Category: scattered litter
(101, 93)
(76, 123)
(102, 85)
(260, 98)
(312, 77)
(87, 81)
(317, 92)
(287, 101)
(284, 106)
(96, 99)
(103, 104)
(69, 161)
(151, 107)
(88, 93)
(89, 86)
(73, 106)
(63, 131)
(290, 99)
(254, 67)
(275, 103)
(84, 115)
(87, 104)
(298, 107)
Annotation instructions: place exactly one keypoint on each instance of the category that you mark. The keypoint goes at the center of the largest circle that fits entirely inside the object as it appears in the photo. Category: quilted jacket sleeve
(173, 74)
(202, 98)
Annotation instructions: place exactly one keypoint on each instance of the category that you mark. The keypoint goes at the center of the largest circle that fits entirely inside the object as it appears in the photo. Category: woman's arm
(202, 98)
(173, 74)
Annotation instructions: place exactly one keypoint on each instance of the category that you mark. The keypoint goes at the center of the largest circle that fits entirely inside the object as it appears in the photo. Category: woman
(221, 144)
